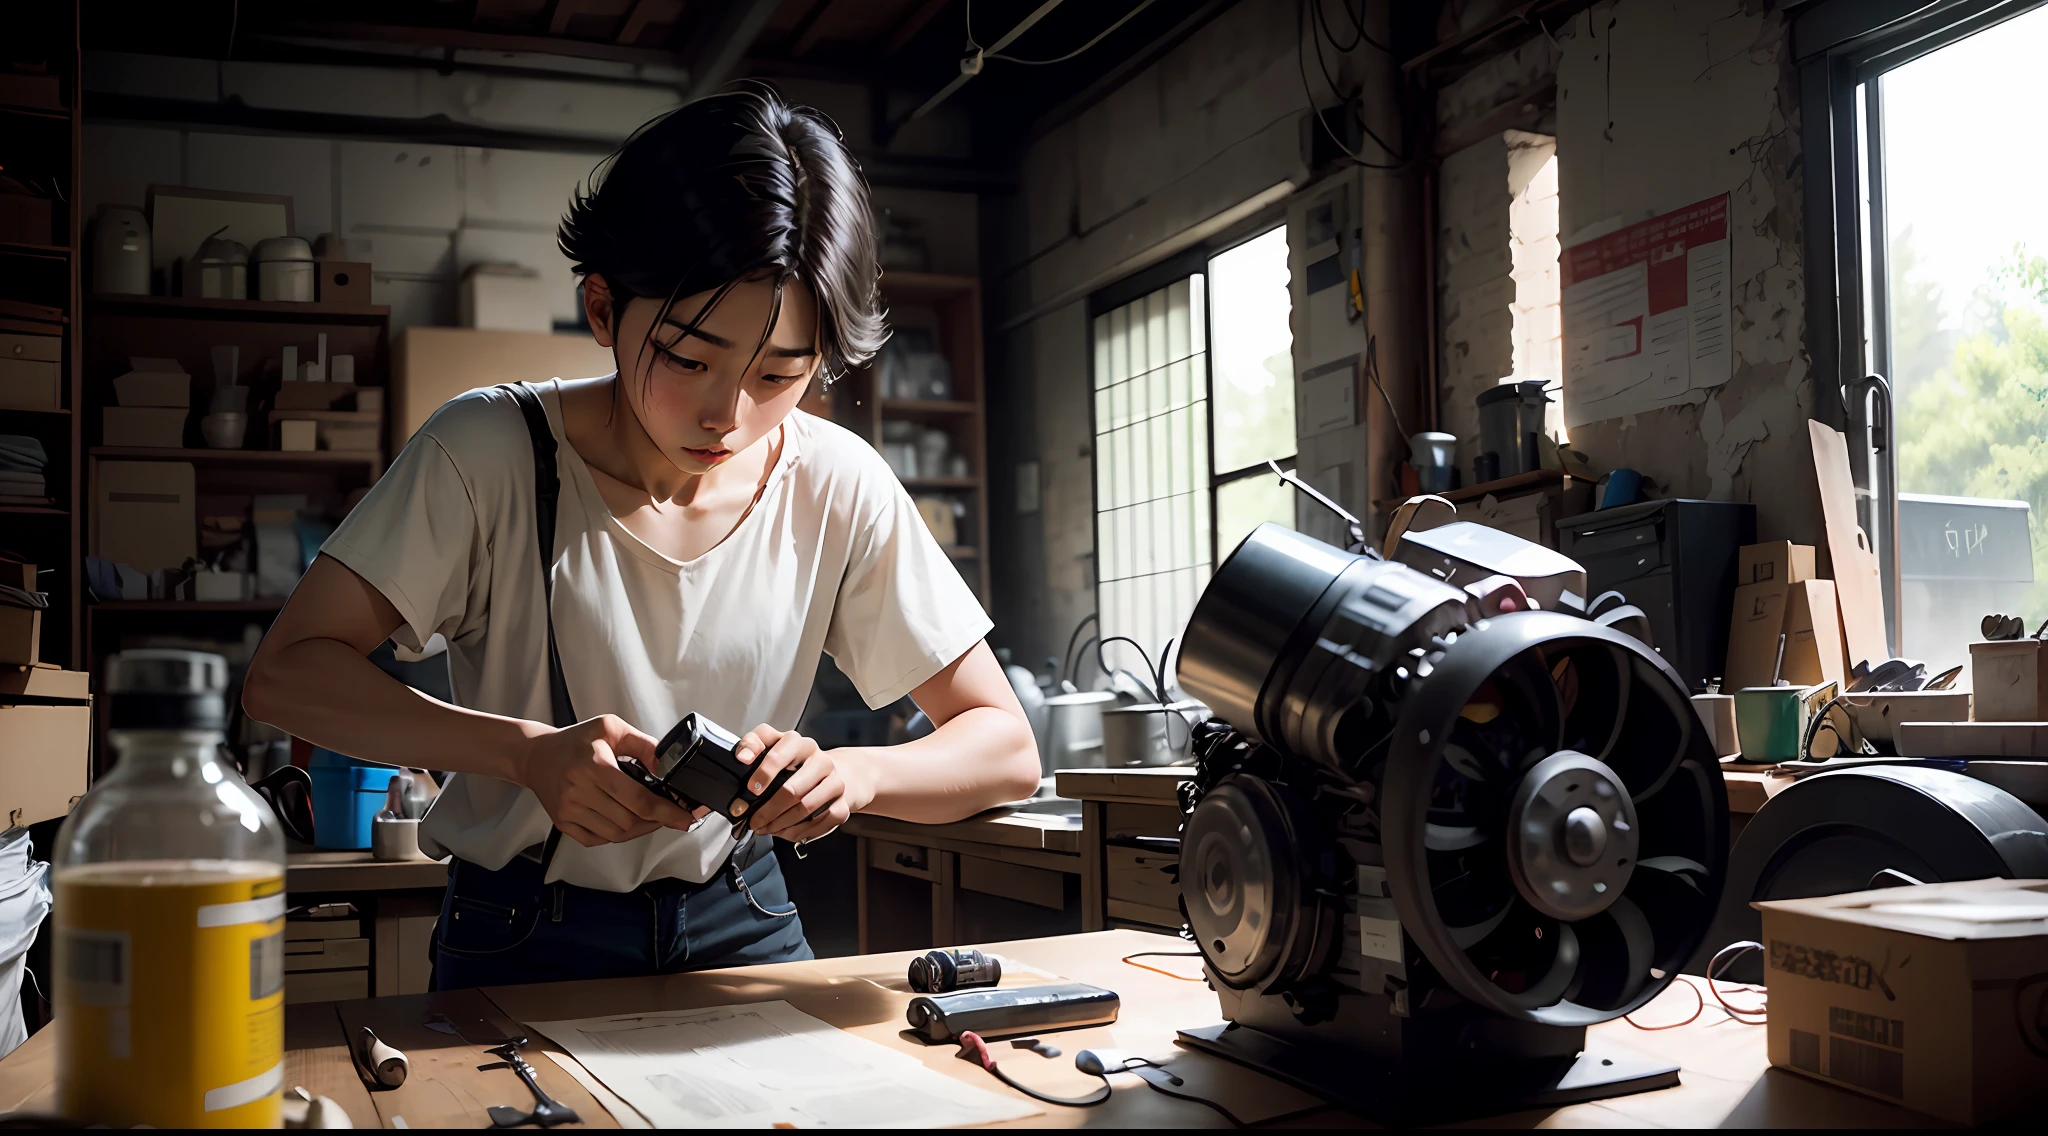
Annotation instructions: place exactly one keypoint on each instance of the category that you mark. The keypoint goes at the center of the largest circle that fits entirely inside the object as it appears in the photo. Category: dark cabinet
(1674, 559)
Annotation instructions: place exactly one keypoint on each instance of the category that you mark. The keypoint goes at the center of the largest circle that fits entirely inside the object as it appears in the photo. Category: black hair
(734, 187)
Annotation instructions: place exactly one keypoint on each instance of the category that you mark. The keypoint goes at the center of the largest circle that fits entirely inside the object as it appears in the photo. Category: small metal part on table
(547, 1111)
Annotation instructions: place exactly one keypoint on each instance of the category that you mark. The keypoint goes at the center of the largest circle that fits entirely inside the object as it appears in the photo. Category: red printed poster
(1646, 319)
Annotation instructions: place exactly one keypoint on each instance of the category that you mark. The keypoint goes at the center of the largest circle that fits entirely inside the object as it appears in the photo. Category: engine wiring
(1099, 37)
(1305, 28)
(1746, 1015)
(1162, 970)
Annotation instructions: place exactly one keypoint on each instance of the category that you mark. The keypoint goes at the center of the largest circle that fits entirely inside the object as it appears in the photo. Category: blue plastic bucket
(346, 795)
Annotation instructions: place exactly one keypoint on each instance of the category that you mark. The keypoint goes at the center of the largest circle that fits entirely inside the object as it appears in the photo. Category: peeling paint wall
(1206, 137)
(1662, 103)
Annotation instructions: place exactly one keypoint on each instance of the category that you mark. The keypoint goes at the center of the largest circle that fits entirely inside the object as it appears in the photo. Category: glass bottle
(170, 917)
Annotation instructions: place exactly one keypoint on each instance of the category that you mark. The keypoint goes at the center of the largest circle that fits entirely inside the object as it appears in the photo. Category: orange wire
(1158, 970)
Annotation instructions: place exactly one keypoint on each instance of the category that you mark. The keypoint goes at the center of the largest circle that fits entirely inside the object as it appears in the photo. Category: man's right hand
(575, 772)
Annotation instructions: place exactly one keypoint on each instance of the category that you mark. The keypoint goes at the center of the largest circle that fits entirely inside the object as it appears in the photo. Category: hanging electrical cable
(1303, 28)
(1099, 37)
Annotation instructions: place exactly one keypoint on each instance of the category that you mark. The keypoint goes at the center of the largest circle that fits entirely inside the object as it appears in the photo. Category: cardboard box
(31, 384)
(298, 436)
(1779, 561)
(45, 749)
(1813, 635)
(344, 282)
(154, 382)
(143, 426)
(1935, 997)
(430, 365)
(2008, 682)
(1755, 622)
(147, 514)
(21, 628)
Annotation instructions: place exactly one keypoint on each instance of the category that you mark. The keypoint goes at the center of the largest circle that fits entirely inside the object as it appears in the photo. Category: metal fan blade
(1564, 965)
(1470, 936)
(1616, 951)
(1451, 838)
(1594, 684)
(1471, 885)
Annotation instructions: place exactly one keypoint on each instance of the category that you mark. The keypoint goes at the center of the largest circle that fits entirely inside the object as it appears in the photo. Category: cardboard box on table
(45, 742)
(1935, 997)
(21, 627)
(2008, 681)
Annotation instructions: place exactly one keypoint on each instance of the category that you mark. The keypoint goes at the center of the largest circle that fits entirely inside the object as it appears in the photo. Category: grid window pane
(1151, 454)
(1247, 503)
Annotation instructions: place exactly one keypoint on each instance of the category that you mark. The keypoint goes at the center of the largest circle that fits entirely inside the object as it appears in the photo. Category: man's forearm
(325, 691)
(979, 759)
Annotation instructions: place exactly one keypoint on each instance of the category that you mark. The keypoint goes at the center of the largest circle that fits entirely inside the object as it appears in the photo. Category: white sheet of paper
(767, 1063)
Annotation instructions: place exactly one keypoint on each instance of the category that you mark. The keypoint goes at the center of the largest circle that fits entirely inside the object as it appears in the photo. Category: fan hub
(1574, 836)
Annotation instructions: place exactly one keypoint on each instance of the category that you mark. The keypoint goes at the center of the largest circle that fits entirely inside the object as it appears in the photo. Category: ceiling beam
(805, 36)
(911, 25)
(645, 13)
(720, 52)
(481, 41)
(560, 12)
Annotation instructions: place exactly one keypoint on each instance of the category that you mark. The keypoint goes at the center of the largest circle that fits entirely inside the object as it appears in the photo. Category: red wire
(1697, 1010)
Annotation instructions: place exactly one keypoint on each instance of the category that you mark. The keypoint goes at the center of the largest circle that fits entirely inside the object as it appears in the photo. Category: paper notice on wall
(1646, 314)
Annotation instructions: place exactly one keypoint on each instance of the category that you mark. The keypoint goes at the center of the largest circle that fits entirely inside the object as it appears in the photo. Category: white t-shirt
(833, 557)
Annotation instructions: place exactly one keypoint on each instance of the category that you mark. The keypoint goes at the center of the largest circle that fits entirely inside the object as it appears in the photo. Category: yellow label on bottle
(170, 993)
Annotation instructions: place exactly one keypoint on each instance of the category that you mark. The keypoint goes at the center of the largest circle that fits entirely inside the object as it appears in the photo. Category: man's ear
(597, 308)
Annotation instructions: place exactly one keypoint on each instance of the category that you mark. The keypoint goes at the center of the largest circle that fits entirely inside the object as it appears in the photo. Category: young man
(710, 541)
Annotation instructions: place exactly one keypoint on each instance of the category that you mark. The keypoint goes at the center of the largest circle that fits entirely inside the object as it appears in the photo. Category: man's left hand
(816, 799)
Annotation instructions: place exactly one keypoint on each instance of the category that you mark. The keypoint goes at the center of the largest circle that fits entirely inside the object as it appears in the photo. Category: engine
(1427, 845)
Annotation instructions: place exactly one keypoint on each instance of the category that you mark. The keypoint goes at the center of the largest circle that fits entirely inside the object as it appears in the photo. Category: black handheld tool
(547, 1111)
(1004, 1012)
(697, 768)
(936, 972)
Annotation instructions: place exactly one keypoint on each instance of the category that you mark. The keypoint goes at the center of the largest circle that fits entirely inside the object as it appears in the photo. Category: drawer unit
(903, 859)
(325, 985)
(325, 954)
(1140, 887)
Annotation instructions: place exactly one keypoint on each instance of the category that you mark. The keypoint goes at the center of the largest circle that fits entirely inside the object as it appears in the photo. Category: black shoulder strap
(547, 491)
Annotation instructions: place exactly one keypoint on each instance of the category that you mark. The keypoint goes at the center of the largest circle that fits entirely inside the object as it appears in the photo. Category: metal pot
(219, 270)
(284, 269)
(1149, 733)
(1073, 731)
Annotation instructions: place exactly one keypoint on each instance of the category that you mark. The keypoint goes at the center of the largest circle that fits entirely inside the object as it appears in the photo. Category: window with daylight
(1956, 320)
(1193, 395)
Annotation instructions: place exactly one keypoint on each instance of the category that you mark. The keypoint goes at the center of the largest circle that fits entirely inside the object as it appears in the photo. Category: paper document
(766, 1064)
(1646, 314)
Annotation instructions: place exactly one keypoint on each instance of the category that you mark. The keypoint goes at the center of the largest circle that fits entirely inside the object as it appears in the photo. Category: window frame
(1841, 48)
(1192, 261)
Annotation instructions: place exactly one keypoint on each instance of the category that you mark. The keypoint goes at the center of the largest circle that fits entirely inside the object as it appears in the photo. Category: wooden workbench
(1723, 1078)
(399, 902)
(1001, 874)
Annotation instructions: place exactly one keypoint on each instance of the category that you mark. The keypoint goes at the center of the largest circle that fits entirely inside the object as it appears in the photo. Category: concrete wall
(430, 211)
(1659, 104)
(1205, 138)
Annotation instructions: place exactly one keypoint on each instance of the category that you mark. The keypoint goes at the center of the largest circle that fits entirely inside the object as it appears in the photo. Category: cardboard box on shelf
(154, 382)
(147, 514)
(1805, 613)
(21, 627)
(1935, 997)
(31, 384)
(143, 426)
(45, 748)
(2008, 682)
(298, 436)
(344, 282)
(1777, 561)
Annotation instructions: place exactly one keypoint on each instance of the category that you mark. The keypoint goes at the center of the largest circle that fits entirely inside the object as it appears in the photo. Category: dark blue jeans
(506, 927)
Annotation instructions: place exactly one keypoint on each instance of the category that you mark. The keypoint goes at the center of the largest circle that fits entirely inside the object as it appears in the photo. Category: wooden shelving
(196, 607)
(369, 458)
(950, 308)
(251, 309)
(35, 112)
(54, 252)
(909, 407)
